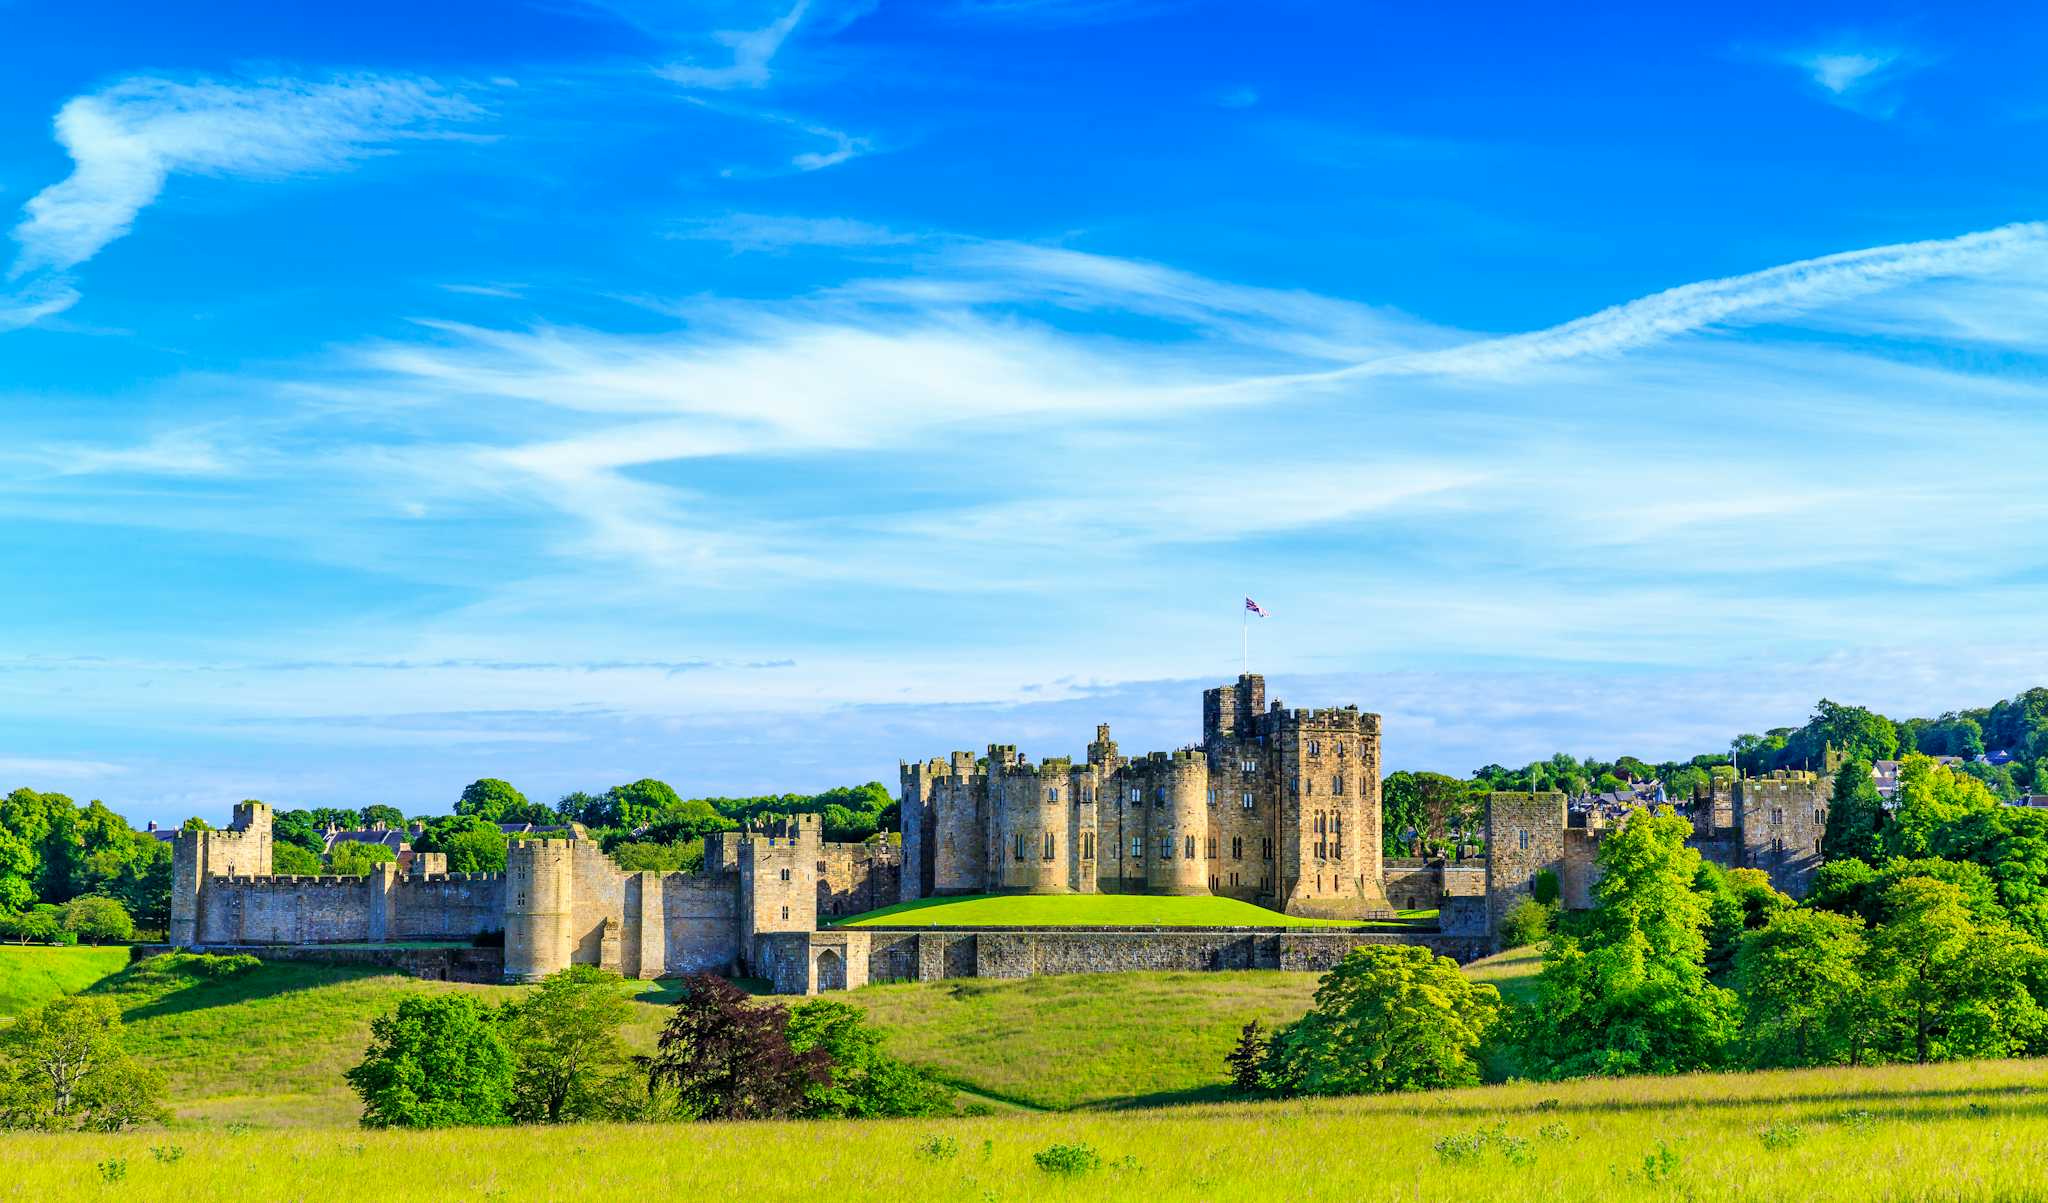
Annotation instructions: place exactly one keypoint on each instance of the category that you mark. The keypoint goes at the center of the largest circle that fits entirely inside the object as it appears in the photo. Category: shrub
(1068, 1159)
(98, 920)
(200, 966)
(938, 1148)
(862, 1079)
(1526, 923)
(1545, 887)
(721, 1058)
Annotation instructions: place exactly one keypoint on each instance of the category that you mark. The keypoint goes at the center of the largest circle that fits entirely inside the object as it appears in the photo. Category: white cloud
(127, 140)
(766, 232)
(38, 767)
(1844, 72)
(752, 51)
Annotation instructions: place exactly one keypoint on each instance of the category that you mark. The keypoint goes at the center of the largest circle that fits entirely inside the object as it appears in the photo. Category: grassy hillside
(1966, 1133)
(268, 1046)
(31, 976)
(1089, 910)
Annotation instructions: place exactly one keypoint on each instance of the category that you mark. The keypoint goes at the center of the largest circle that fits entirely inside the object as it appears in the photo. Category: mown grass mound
(31, 975)
(1970, 1133)
(1098, 910)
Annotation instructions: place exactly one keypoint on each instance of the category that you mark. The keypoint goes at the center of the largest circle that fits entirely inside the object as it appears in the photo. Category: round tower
(1177, 819)
(1033, 820)
(538, 907)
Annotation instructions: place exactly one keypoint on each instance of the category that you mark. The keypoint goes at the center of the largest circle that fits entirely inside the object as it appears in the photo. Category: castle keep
(1275, 806)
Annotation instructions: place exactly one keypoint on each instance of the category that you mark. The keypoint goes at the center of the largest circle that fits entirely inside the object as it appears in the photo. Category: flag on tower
(1256, 608)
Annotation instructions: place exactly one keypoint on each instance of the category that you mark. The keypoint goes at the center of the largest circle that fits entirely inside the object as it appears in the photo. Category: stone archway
(831, 974)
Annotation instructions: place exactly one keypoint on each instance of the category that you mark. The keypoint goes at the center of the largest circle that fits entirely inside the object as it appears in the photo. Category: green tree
(354, 858)
(636, 805)
(480, 849)
(572, 1062)
(142, 881)
(63, 1067)
(487, 799)
(437, 1061)
(1631, 994)
(2009, 844)
(1387, 1018)
(1854, 817)
(1956, 986)
(296, 828)
(1804, 1000)
(1930, 796)
(864, 1081)
(17, 871)
(290, 860)
(377, 812)
(1247, 1059)
(1738, 901)
(98, 920)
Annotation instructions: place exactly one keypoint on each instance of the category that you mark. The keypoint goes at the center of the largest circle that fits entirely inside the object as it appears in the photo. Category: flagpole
(1244, 617)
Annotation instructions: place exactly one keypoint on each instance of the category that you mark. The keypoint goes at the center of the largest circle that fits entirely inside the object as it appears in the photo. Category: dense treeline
(1924, 938)
(2001, 746)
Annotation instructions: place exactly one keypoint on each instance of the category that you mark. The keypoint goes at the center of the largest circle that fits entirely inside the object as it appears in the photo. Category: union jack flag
(1256, 608)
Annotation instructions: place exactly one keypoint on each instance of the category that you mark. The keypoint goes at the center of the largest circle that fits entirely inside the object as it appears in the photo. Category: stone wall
(910, 955)
(856, 878)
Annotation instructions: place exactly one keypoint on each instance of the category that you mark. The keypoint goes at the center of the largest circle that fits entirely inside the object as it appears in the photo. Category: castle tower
(779, 879)
(1525, 834)
(539, 908)
(1174, 789)
(243, 849)
(1329, 813)
(1031, 803)
(915, 818)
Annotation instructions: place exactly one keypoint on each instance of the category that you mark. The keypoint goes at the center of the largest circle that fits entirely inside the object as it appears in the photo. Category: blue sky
(752, 395)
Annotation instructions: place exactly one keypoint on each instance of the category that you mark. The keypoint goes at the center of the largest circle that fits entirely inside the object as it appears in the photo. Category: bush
(98, 920)
(1545, 887)
(1387, 1018)
(1527, 922)
(1067, 1159)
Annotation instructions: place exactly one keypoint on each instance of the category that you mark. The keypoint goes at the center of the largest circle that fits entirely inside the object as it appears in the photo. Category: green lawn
(31, 975)
(1096, 910)
(268, 1046)
(1973, 1133)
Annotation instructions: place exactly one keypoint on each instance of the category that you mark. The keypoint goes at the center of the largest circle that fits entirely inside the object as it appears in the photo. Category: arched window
(1315, 747)
(1190, 852)
(1247, 799)
(1337, 784)
(1052, 793)
(1236, 852)
(1050, 845)
(1165, 847)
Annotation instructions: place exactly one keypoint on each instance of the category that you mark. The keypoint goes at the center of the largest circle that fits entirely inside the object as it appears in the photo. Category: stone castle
(1277, 807)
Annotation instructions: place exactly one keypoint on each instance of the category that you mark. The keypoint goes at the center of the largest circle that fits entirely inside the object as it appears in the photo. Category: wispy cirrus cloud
(128, 140)
(751, 51)
(1855, 76)
(772, 232)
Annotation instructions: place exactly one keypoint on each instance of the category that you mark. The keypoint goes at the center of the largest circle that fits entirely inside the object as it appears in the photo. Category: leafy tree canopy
(1387, 1018)
(437, 1061)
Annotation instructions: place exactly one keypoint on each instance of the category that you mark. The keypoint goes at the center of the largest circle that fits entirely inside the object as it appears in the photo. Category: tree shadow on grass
(1831, 1098)
(171, 992)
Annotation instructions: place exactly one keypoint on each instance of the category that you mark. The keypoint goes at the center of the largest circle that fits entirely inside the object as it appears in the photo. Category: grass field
(267, 1047)
(1971, 1134)
(1096, 910)
(31, 976)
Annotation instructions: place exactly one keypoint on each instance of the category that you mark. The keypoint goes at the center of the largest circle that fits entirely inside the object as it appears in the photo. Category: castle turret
(1174, 790)
(243, 849)
(1031, 805)
(539, 908)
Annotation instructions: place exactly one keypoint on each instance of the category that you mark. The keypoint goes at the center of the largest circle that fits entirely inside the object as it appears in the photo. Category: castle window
(1319, 850)
(1050, 845)
(1236, 853)
(1247, 799)
(785, 912)
(1137, 847)
(1363, 789)
(1159, 795)
(1340, 749)
(785, 875)
(1265, 853)
(1088, 845)
(1190, 853)
(1315, 747)
(1165, 847)
(1523, 835)
(1337, 826)
(1052, 793)
(1777, 816)
(1212, 847)
(1020, 846)
(1212, 796)
(1337, 784)
(1820, 816)
(1310, 787)
(1336, 849)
